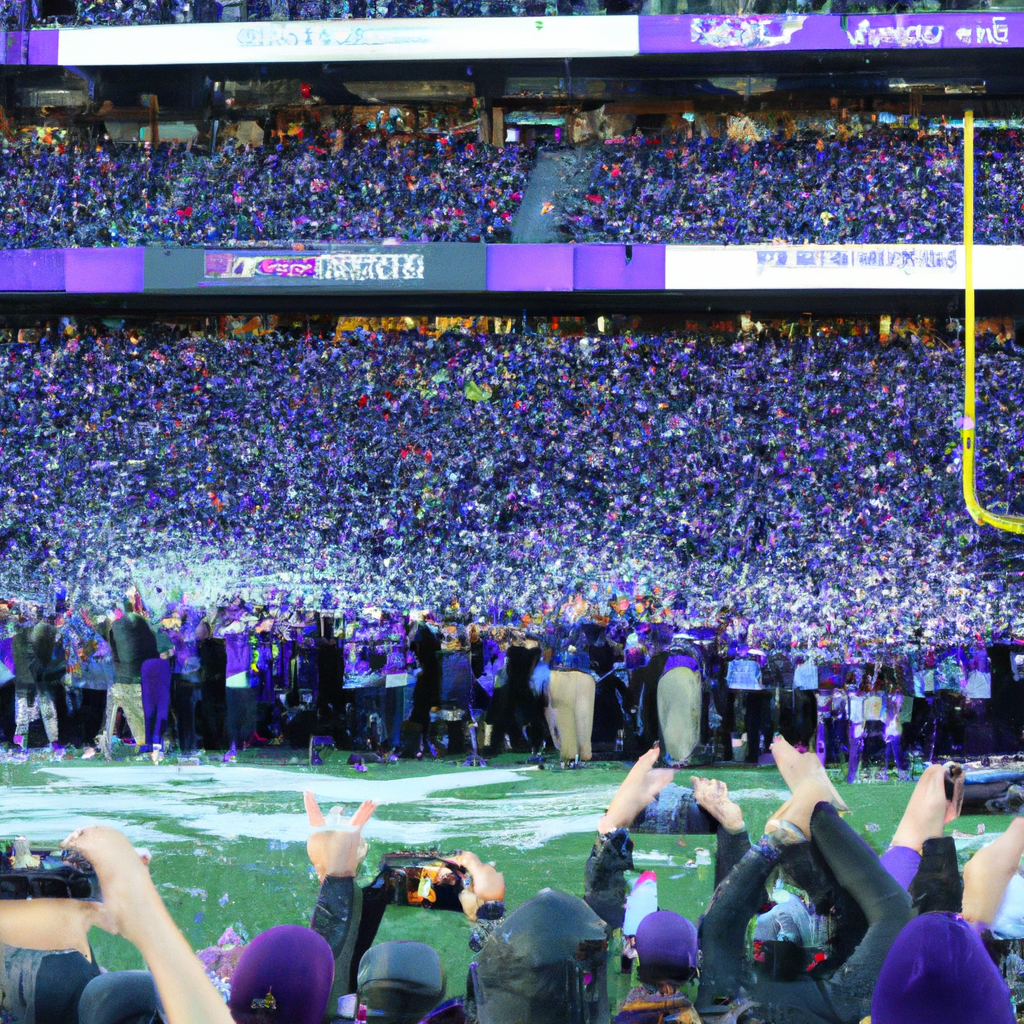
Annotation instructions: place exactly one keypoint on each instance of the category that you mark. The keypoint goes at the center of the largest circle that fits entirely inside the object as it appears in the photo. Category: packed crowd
(436, 189)
(807, 479)
(143, 12)
(579, 680)
(17, 14)
(885, 185)
(903, 936)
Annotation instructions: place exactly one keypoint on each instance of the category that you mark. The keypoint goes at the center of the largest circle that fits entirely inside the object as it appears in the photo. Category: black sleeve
(375, 899)
(846, 995)
(336, 917)
(605, 893)
(731, 849)
(723, 929)
(937, 886)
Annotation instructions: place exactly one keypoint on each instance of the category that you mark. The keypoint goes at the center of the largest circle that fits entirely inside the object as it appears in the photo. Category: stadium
(486, 486)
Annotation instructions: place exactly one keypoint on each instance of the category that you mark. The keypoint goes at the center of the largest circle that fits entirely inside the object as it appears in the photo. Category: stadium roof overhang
(977, 44)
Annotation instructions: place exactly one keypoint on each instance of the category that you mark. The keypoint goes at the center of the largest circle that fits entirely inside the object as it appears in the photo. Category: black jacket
(131, 642)
(39, 658)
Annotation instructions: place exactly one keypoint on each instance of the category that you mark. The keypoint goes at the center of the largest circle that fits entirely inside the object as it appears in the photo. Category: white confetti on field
(151, 803)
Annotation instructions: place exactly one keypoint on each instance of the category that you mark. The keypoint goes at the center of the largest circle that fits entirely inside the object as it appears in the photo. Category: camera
(52, 875)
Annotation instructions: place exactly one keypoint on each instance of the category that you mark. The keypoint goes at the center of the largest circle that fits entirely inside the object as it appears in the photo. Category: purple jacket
(6, 653)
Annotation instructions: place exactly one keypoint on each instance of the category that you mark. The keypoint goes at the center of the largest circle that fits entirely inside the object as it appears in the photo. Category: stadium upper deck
(210, 225)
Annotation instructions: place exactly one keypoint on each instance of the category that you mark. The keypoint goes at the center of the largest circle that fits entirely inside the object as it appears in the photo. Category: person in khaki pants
(132, 642)
(570, 712)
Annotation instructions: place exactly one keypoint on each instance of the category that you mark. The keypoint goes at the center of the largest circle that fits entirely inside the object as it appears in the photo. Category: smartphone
(423, 879)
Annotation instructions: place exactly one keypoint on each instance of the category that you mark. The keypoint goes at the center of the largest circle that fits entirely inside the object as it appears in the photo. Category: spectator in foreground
(132, 908)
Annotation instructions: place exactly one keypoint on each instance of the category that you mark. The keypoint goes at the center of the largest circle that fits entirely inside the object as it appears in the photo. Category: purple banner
(43, 46)
(104, 271)
(711, 33)
(15, 48)
(31, 270)
(530, 268)
(619, 268)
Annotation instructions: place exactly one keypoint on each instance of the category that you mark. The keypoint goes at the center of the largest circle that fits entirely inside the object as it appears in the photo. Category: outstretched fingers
(713, 796)
(363, 814)
(316, 817)
(313, 812)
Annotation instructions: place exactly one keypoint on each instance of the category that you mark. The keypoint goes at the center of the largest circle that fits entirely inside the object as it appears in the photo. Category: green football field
(228, 841)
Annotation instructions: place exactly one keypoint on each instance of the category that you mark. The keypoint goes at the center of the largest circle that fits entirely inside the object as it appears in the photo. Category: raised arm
(988, 873)
(926, 812)
(642, 785)
(336, 855)
(612, 855)
(732, 840)
(49, 924)
(132, 907)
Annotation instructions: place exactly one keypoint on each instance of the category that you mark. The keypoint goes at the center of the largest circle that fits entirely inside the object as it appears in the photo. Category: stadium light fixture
(980, 514)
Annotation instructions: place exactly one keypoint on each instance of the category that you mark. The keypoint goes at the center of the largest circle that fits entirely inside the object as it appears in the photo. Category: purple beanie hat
(295, 966)
(939, 972)
(666, 945)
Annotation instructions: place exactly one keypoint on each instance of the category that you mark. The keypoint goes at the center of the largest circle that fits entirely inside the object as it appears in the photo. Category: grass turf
(228, 848)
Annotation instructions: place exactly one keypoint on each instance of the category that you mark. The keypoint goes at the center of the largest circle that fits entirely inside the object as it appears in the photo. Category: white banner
(999, 267)
(803, 267)
(279, 42)
(826, 267)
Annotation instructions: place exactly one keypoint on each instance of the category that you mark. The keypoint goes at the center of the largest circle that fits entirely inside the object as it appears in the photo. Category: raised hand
(927, 810)
(713, 796)
(643, 783)
(795, 768)
(337, 852)
(128, 890)
(485, 883)
(132, 907)
(799, 808)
